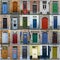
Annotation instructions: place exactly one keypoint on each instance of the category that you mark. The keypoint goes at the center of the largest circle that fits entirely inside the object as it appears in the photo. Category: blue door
(34, 23)
(25, 38)
(55, 22)
(14, 53)
(44, 37)
(4, 8)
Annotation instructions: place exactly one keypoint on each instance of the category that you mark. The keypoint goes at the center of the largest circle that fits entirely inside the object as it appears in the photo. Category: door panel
(25, 7)
(14, 38)
(4, 22)
(4, 37)
(34, 53)
(44, 37)
(15, 52)
(34, 23)
(24, 52)
(15, 6)
(55, 22)
(4, 8)
(54, 37)
(44, 51)
(25, 40)
(54, 52)
(24, 22)
(34, 37)
(44, 23)
(14, 23)
(34, 8)
(5, 52)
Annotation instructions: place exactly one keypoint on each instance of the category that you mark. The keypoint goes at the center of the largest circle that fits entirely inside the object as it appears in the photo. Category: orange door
(15, 6)
(44, 23)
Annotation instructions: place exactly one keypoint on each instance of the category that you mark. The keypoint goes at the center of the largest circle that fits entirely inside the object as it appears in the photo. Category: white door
(34, 53)
(4, 37)
(14, 23)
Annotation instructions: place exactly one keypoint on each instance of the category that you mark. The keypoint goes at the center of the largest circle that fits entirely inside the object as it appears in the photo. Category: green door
(55, 7)
(24, 22)
(35, 37)
(54, 52)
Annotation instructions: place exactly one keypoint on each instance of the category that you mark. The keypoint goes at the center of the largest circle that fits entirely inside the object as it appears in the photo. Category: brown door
(54, 37)
(15, 6)
(44, 23)
(4, 52)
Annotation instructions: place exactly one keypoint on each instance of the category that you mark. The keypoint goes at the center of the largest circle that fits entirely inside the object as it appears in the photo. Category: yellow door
(54, 52)
(34, 52)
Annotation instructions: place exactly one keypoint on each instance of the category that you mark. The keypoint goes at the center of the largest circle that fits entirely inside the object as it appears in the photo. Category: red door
(44, 23)
(14, 38)
(25, 7)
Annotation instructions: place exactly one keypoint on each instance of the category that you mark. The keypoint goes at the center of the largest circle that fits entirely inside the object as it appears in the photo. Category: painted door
(24, 52)
(34, 52)
(54, 37)
(25, 7)
(4, 37)
(14, 38)
(44, 51)
(15, 6)
(14, 23)
(34, 23)
(34, 37)
(55, 7)
(55, 22)
(4, 52)
(4, 8)
(24, 22)
(4, 22)
(34, 8)
(15, 52)
(44, 23)
(54, 52)
(44, 37)
(25, 38)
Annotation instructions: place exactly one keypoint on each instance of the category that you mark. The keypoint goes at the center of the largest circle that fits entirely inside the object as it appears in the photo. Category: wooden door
(15, 6)
(4, 52)
(44, 23)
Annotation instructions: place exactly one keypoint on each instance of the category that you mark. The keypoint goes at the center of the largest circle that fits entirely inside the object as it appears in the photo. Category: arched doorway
(44, 23)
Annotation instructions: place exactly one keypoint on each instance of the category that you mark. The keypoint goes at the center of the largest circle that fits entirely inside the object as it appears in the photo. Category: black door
(24, 52)
(4, 22)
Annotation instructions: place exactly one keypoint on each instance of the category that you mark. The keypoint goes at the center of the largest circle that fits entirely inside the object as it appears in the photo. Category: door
(25, 7)
(15, 52)
(44, 37)
(34, 52)
(54, 52)
(34, 37)
(15, 6)
(54, 37)
(24, 52)
(34, 8)
(4, 22)
(24, 22)
(4, 8)
(4, 37)
(14, 23)
(14, 38)
(4, 52)
(55, 7)
(25, 38)
(44, 51)
(44, 23)
(34, 23)
(55, 22)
